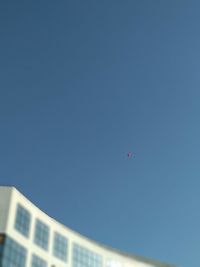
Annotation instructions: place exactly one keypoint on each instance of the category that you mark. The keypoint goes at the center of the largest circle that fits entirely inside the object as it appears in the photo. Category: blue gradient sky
(81, 84)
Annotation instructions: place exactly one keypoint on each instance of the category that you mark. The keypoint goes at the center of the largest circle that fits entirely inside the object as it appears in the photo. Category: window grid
(38, 262)
(60, 246)
(41, 234)
(22, 221)
(14, 255)
(83, 257)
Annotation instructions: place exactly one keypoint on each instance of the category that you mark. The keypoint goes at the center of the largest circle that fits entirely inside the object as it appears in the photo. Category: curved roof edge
(115, 250)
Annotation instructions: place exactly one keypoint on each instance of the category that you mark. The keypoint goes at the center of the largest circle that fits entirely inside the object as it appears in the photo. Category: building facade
(30, 238)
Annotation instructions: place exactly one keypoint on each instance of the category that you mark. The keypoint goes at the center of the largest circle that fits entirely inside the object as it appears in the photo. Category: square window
(85, 258)
(38, 262)
(60, 246)
(41, 234)
(22, 220)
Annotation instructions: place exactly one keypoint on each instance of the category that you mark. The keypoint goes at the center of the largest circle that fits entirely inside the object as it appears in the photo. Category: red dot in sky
(129, 154)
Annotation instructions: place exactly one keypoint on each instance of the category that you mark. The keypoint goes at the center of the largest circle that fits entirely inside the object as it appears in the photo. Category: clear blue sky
(81, 84)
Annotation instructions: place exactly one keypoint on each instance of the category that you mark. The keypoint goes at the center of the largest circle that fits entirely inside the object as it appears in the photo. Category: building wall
(5, 195)
(10, 198)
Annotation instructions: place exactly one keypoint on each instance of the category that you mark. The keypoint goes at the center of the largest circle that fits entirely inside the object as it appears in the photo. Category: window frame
(58, 241)
(41, 234)
(22, 220)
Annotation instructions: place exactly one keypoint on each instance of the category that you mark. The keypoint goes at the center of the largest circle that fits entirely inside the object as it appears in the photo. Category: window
(38, 262)
(22, 220)
(41, 234)
(60, 247)
(12, 254)
(83, 257)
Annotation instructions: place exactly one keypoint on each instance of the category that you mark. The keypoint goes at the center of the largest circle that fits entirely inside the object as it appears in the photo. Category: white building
(30, 238)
